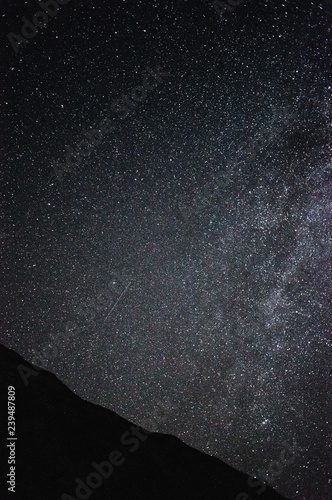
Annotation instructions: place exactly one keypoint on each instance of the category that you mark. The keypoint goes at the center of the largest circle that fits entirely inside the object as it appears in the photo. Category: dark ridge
(61, 439)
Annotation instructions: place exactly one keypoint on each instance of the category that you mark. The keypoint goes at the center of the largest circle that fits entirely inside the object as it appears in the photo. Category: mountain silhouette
(68, 448)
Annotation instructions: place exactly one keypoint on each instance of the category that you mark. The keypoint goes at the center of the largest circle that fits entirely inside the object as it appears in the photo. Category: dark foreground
(68, 448)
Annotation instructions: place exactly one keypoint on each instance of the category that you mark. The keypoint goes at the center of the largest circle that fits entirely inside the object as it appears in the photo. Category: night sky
(166, 219)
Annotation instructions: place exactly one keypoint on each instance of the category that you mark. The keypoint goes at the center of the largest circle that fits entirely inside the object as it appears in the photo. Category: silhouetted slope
(62, 439)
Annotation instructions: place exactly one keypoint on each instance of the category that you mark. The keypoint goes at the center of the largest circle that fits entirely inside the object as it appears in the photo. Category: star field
(180, 274)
